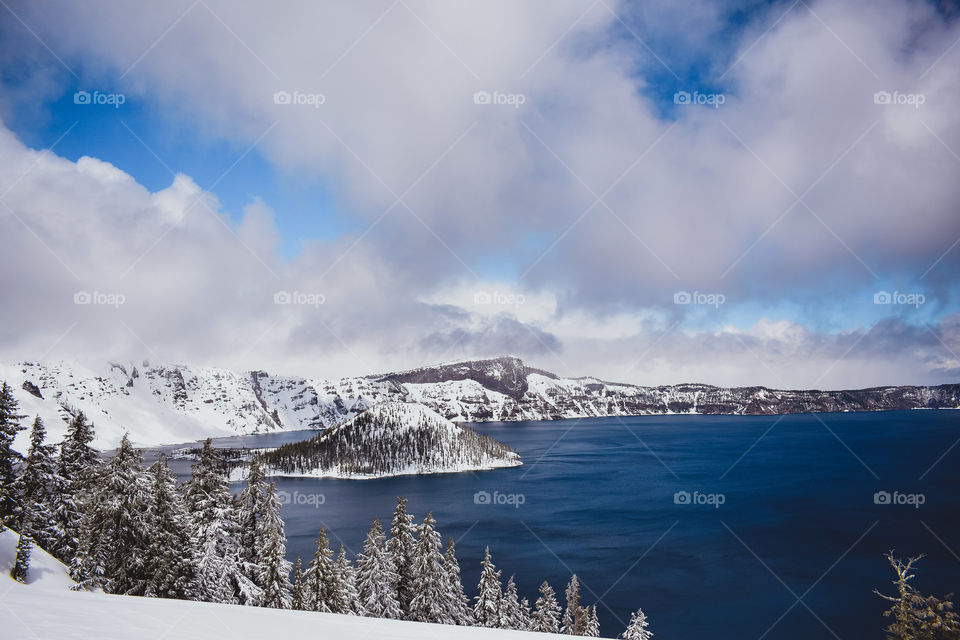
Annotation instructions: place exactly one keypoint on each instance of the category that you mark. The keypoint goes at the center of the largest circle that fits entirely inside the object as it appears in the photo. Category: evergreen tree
(273, 575)
(593, 623)
(915, 616)
(36, 486)
(9, 427)
(526, 615)
(637, 629)
(22, 563)
(297, 600)
(401, 546)
(377, 577)
(212, 510)
(172, 557)
(426, 572)
(76, 468)
(321, 577)
(510, 616)
(489, 594)
(457, 606)
(251, 508)
(346, 579)
(575, 616)
(546, 616)
(113, 541)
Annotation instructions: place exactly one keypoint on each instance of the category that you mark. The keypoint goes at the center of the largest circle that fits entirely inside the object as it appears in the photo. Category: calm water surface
(798, 518)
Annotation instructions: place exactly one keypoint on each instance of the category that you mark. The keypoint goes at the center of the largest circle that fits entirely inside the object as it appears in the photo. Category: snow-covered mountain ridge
(163, 404)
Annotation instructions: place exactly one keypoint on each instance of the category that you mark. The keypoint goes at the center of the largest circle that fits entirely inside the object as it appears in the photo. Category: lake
(717, 526)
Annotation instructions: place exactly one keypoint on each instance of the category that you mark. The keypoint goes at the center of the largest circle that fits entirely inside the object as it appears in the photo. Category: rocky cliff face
(161, 403)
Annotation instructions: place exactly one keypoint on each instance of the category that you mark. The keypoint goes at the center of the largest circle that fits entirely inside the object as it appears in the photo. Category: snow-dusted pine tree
(546, 616)
(321, 577)
(575, 616)
(347, 599)
(249, 512)
(637, 629)
(21, 564)
(77, 463)
(377, 577)
(9, 427)
(400, 545)
(212, 510)
(273, 567)
(457, 605)
(486, 610)
(36, 486)
(297, 600)
(172, 556)
(426, 572)
(526, 615)
(510, 616)
(113, 540)
(593, 623)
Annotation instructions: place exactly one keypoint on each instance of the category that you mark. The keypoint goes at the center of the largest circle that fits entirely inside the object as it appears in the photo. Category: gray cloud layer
(799, 188)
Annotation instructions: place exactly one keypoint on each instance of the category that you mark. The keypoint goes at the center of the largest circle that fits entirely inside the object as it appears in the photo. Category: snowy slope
(45, 608)
(166, 404)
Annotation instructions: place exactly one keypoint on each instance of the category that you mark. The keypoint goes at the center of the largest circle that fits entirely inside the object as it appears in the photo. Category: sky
(733, 193)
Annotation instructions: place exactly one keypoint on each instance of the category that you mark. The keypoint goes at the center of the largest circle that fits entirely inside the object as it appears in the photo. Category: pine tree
(593, 623)
(401, 546)
(113, 541)
(321, 577)
(36, 486)
(212, 510)
(273, 568)
(9, 427)
(510, 616)
(297, 600)
(76, 468)
(526, 616)
(457, 605)
(489, 594)
(546, 616)
(426, 572)
(637, 629)
(575, 616)
(346, 581)
(22, 563)
(377, 577)
(248, 516)
(172, 557)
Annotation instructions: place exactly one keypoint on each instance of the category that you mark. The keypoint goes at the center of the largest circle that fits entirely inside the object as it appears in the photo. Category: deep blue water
(798, 518)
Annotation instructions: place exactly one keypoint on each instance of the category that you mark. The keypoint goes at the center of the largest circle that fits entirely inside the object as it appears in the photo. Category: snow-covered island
(389, 439)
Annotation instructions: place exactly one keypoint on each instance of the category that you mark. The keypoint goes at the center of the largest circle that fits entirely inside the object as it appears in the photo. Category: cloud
(601, 198)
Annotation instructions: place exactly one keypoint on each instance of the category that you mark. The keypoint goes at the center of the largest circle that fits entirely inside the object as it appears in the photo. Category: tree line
(125, 529)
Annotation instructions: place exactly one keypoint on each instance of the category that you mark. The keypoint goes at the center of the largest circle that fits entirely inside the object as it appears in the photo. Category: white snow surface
(47, 609)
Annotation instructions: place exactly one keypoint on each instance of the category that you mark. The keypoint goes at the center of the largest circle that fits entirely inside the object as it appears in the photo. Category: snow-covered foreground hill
(46, 609)
(166, 404)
